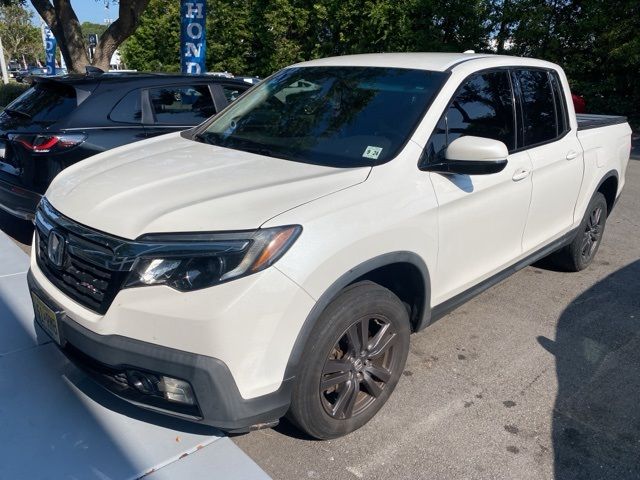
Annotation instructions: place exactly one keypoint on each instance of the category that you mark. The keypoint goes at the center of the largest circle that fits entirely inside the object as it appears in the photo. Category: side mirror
(472, 156)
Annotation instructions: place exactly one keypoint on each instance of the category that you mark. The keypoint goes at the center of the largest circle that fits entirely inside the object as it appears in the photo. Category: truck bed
(587, 121)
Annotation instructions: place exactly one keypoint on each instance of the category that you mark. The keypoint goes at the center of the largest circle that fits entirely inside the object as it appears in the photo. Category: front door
(481, 217)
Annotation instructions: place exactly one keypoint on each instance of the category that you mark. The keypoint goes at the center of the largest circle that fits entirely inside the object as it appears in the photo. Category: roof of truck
(435, 61)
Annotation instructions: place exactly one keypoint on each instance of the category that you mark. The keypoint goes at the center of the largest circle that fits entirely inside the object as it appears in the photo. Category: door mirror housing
(471, 155)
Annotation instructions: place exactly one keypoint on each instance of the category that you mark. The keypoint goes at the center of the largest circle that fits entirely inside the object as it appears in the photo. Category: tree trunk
(64, 23)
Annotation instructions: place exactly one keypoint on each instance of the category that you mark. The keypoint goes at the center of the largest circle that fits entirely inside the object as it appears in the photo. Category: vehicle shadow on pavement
(20, 230)
(596, 418)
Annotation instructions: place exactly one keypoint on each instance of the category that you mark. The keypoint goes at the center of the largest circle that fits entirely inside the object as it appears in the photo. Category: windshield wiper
(14, 112)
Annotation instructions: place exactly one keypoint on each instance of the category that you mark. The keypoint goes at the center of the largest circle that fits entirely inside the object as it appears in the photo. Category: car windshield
(335, 116)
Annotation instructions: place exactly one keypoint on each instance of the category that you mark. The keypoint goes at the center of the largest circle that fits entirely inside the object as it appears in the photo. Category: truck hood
(171, 184)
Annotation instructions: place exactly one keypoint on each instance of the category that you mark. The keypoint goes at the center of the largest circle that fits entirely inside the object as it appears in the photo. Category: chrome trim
(119, 254)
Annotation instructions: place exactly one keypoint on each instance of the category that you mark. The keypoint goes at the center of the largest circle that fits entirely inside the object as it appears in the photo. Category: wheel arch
(608, 186)
(385, 270)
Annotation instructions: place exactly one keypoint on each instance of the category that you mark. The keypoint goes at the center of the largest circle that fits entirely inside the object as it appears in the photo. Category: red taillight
(47, 143)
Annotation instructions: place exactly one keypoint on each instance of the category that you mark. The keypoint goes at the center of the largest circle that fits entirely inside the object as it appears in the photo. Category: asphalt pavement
(537, 378)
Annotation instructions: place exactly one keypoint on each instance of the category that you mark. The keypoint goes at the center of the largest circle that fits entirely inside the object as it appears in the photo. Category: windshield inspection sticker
(372, 152)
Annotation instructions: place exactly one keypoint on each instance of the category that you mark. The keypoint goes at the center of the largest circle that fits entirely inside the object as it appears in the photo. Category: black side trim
(219, 399)
(348, 278)
(589, 121)
(448, 306)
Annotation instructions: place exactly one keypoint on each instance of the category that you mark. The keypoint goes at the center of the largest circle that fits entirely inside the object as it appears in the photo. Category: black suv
(62, 120)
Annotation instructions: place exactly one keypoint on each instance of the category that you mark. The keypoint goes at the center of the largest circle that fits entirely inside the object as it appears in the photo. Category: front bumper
(18, 201)
(219, 402)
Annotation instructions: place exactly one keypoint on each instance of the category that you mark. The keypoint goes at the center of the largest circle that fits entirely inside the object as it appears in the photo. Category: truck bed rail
(587, 121)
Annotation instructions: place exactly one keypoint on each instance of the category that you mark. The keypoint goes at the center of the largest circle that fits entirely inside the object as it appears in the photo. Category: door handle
(572, 154)
(520, 174)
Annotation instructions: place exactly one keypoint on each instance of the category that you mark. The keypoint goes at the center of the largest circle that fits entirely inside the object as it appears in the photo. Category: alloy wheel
(592, 234)
(358, 367)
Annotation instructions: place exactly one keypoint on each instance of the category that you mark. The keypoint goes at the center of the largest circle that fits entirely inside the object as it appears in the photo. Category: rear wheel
(352, 363)
(579, 254)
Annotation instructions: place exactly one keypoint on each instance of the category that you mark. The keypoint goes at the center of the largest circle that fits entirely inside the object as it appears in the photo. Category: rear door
(555, 152)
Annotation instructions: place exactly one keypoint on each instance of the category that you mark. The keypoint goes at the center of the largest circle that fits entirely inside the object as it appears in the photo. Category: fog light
(143, 382)
(176, 390)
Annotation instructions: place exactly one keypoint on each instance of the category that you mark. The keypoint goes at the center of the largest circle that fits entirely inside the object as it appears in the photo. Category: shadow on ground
(20, 230)
(596, 419)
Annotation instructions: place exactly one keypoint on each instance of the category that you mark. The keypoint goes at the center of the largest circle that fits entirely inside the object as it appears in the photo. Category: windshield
(336, 116)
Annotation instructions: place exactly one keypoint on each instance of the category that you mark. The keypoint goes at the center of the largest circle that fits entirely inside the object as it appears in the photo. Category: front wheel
(352, 362)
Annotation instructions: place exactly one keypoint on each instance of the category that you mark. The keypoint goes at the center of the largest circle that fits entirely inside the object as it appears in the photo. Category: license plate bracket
(47, 318)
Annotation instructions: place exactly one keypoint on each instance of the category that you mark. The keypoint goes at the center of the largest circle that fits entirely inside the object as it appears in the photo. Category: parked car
(276, 258)
(23, 74)
(13, 68)
(62, 120)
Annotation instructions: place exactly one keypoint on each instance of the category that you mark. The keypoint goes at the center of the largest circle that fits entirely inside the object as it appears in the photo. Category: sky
(87, 11)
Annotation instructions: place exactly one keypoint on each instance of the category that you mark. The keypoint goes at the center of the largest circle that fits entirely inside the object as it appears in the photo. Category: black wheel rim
(592, 234)
(358, 367)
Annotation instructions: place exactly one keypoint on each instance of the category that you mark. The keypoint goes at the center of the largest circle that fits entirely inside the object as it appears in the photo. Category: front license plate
(46, 318)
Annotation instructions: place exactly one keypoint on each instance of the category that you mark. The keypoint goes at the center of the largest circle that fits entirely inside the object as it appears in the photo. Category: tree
(64, 23)
(19, 37)
(89, 28)
(146, 50)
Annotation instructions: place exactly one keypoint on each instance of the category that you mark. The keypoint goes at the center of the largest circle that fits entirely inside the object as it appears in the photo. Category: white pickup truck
(275, 259)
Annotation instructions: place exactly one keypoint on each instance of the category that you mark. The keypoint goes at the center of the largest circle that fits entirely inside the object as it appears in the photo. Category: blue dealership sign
(193, 15)
(50, 45)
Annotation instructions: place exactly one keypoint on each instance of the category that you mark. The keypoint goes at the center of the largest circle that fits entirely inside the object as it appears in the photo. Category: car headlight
(193, 261)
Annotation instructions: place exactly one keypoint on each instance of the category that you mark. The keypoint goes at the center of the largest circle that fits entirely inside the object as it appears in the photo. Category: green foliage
(89, 28)
(11, 91)
(155, 45)
(19, 36)
(596, 41)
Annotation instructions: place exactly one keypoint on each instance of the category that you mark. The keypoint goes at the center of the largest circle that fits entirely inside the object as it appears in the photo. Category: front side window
(336, 116)
(181, 105)
(483, 107)
(538, 110)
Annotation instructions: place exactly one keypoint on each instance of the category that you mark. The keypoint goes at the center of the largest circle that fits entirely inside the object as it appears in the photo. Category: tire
(579, 254)
(355, 384)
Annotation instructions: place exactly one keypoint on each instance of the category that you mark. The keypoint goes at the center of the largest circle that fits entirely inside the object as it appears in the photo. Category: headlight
(194, 261)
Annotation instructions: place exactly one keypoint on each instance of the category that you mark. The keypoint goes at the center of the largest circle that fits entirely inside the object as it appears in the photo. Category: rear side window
(46, 102)
(538, 110)
(181, 105)
(129, 109)
(483, 107)
(560, 102)
(232, 92)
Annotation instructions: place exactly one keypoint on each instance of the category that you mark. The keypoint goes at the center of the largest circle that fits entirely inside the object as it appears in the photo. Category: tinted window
(539, 118)
(560, 102)
(181, 105)
(338, 116)
(46, 102)
(128, 109)
(232, 92)
(483, 107)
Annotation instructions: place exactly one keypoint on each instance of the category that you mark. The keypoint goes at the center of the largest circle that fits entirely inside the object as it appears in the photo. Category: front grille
(85, 280)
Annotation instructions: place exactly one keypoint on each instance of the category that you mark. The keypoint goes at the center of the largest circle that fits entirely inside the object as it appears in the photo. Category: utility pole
(3, 65)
